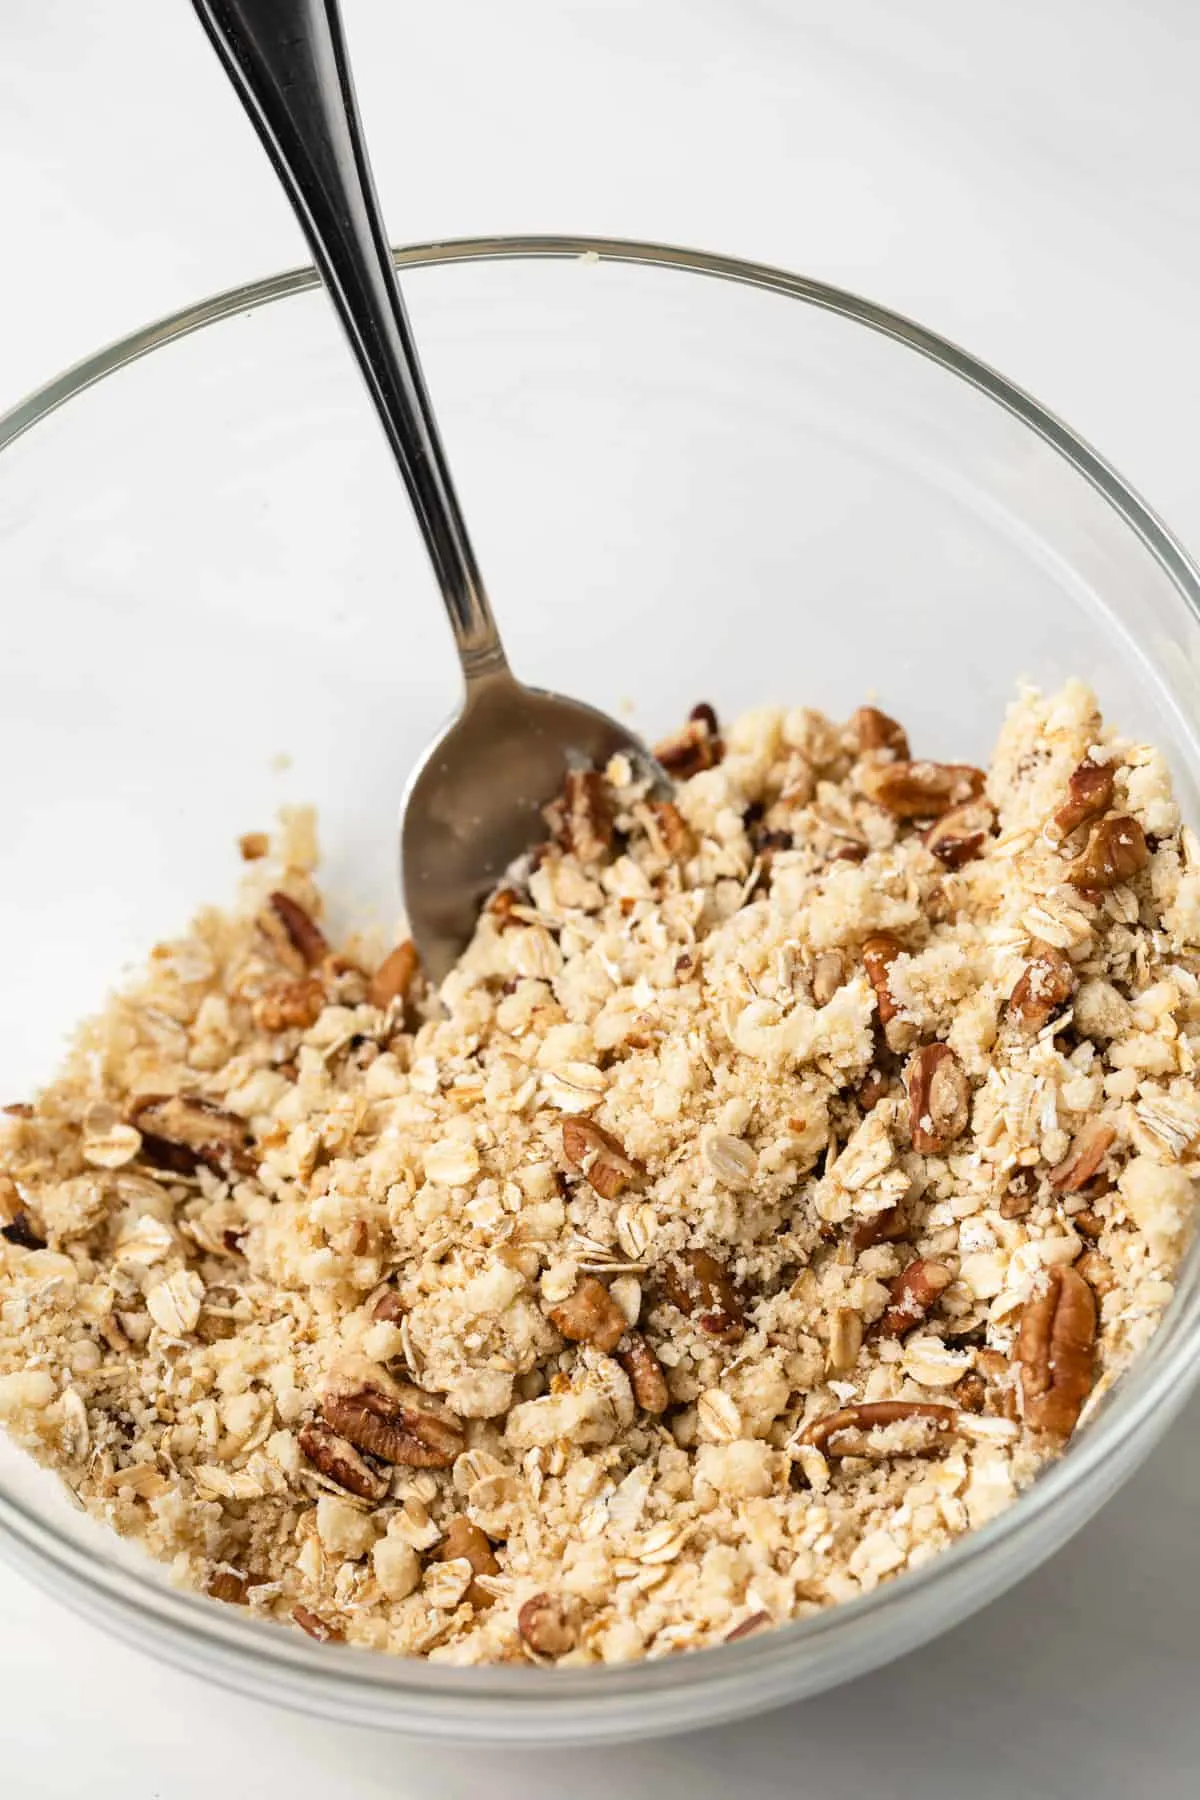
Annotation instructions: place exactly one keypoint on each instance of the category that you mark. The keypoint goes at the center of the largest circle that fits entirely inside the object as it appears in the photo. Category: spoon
(474, 804)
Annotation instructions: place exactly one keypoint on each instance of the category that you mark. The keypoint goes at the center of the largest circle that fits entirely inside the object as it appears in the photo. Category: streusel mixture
(777, 1182)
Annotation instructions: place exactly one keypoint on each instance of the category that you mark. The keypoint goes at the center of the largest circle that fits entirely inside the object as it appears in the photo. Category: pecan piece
(912, 1294)
(317, 1627)
(598, 1156)
(920, 790)
(581, 820)
(464, 1539)
(1089, 796)
(290, 1005)
(181, 1131)
(226, 1584)
(873, 730)
(1018, 1198)
(696, 746)
(1084, 1159)
(754, 1622)
(645, 1374)
(394, 976)
(340, 1461)
(253, 845)
(304, 935)
(865, 1415)
(1045, 984)
(389, 1307)
(365, 1405)
(700, 1286)
(501, 908)
(546, 1624)
(590, 1315)
(673, 829)
(1116, 849)
(939, 1098)
(1054, 1352)
(828, 975)
(960, 834)
(879, 952)
(1098, 1272)
(885, 1227)
(16, 1227)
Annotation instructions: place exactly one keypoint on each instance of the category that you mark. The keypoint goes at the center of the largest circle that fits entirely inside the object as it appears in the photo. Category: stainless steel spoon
(474, 804)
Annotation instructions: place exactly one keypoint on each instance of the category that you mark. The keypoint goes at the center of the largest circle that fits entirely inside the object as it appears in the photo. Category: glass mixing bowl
(687, 478)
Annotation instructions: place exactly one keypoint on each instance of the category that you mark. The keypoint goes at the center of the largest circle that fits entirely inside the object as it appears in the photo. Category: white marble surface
(1026, 179)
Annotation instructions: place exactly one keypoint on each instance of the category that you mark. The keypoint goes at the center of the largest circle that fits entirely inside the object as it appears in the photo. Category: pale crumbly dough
(402, 1219)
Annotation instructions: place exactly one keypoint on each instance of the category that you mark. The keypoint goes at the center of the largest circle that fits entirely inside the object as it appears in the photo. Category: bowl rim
(605, 1700)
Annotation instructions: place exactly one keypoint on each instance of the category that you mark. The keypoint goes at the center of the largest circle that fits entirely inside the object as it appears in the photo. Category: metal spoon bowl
(474, 804)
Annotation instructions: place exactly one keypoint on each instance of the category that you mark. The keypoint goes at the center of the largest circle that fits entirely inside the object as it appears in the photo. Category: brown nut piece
(1054, 1353)
(366, 1406)
(879, 952)
(598, 1156)
(1116, 849)
(828, 974)
(590, 1315)
(317, 1627)
(939, 1098)
(1098, 1272)
(1085, 1157)
(678, 840)
(546, 1625)
(394, 977)
(1089, 796)
(302, 932)
(695, 747)
(253, 845)
(866, 1415)
(226, 1584)
(886, 1227)
(181, 1131)
(1045, 984)
(340, 1462)
(1018, 1199)
(700, 1286)
(874, 730)
(920, 790)
(645, 1374)
(581, 820)
(911, 1296)
(16, 1227)
(960, 834)
(290, 1005)
(464, 1539)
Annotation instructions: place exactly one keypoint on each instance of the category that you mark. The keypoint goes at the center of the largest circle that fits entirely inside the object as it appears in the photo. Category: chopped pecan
(226, 1584)
(18, 1109)
(1098, 1272)
(304, 935)
(939, 1098)
(547, 1626)
(700, 1286)
(290, 1005)
(912, 1294)
(1087, 1222)
(645, 1374)
(920, 790)
(1089, 796)
(969, 1392)
(590, 1315)
(365, 1405)
(340, 1461)
(1116, 849)
(253, 845)
(389, 1307)
(500, 907)
(1054, 1352)
(181, 1131)
(828, 974)
(581, 818)
(1018, 1198)
(16, 1227)
(754, 1622)
(866, 1415)
(676, 834)
(879, 952)
(885, 1227)
(696, 746)
(997, 1372)
(598, 1156)
(960, 834)
(873, 730)
(394, 977)
(317, 1627)
(464, 1539)
(1045, 984)
(1085, 1157)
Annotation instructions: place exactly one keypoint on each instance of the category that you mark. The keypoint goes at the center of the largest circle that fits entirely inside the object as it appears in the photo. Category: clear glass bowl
(688, 478)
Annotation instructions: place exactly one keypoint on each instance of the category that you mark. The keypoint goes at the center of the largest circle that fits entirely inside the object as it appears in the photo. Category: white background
(1024, 178)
